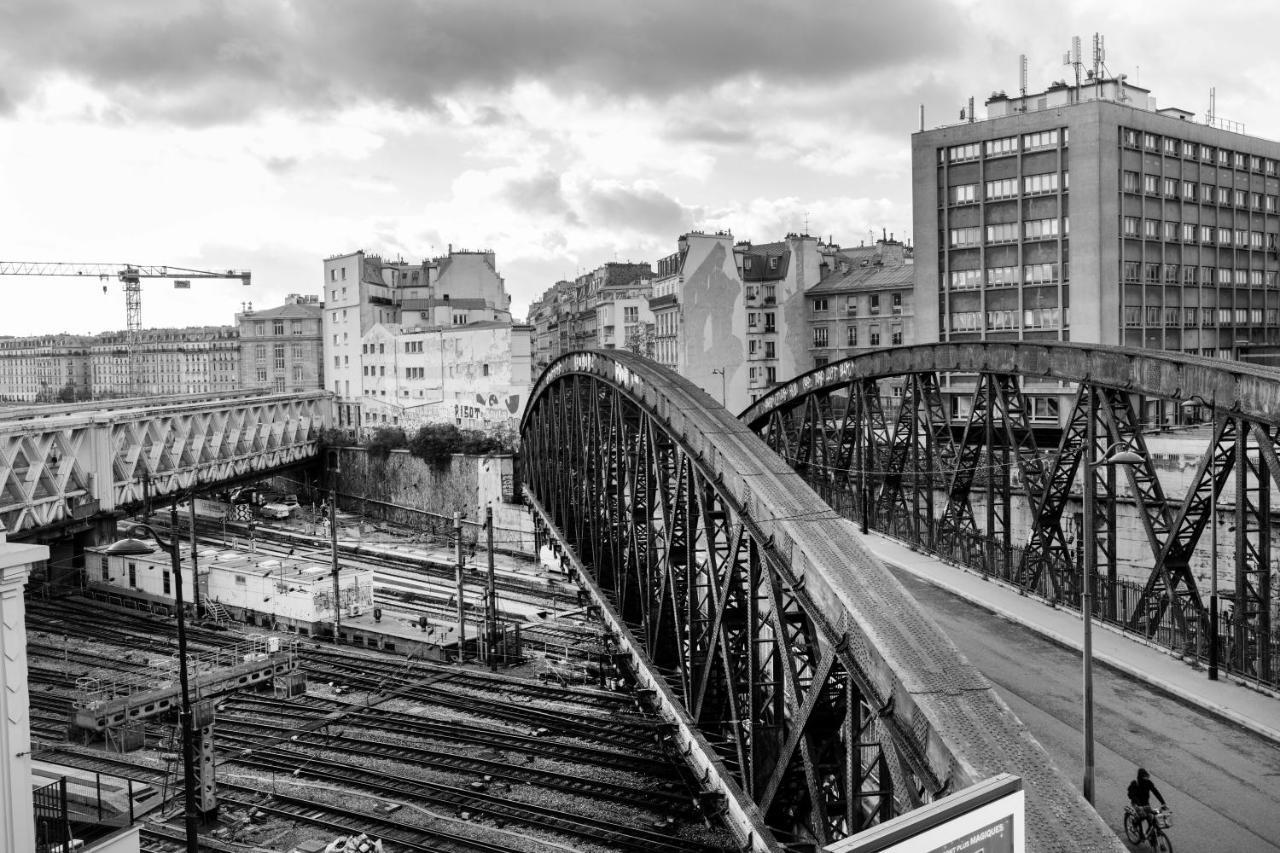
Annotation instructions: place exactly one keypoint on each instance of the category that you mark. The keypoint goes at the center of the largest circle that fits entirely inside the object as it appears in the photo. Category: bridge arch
(813, 692)
(880, 459)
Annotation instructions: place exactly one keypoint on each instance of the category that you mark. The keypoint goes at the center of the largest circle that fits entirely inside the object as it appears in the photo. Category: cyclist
(1140, 791)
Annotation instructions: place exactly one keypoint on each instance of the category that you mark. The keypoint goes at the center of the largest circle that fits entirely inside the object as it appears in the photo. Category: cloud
(539, 194)
(640, 207)
(217, 61)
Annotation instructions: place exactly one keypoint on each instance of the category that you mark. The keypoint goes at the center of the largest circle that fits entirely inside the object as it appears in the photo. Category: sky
(561, 134)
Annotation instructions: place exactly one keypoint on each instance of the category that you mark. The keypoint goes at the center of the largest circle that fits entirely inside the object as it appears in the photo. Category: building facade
(45, 369)
(193, 360)
(362, 291)
(1164, 235)
(282, 348)
(865, 302)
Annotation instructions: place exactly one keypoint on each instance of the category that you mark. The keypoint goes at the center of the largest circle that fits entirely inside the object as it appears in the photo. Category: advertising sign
(983, 818)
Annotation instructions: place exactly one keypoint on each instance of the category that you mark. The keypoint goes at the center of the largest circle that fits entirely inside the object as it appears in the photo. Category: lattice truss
(792, 716)
(838, 438)
(73, 467)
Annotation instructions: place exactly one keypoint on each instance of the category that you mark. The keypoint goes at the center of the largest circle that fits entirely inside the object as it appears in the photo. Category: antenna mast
(1072, 58)
(1099, 59)
(1022, 74)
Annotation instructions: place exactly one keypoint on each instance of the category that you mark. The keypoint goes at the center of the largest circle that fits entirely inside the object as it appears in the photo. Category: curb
(1233, 717)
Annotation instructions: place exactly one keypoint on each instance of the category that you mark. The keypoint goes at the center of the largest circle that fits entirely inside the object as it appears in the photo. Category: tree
(435, 444)
(642, 340)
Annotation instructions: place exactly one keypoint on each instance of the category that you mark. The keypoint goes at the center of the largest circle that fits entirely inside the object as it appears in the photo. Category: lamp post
(1197, 400)
(1113, 455)
(720, 370)
(134, 546)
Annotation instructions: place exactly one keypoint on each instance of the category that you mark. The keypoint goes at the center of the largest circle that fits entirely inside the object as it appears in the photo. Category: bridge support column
(17, 818)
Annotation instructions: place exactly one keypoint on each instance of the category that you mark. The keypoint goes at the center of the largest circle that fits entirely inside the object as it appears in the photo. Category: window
(260, 353)
(851, 307)
(875, 303)
(1172, 274)
(1224, 195)
(1171, 187)
(277, 327)
(1040, 228)
(1150, 184)
(1171, 232)
(956, 153)
(133, 575)
(337, 361)
(771, 375)
(1040, 273)
(897, 303)
(1151, 228)
(1004, 233)
(963, 194)
(1206, 234)
(751, 346)
(895, 335)
(1189, 190)
(753, 319)
(1171, 146)
(875, 336)
(278, 356)
(966, 279)
(1150, 141)
(1002, 147)
(1046, 183)
(851, 336)
(1004, 188)
(165, 581)
(965, 236)
(1131, 226)
(1002, 276)
(769, 350)
(1002, 320)
(1188, 232)
(1043, 139)
(819, 305)
(333, 275)
(262, 374)
(820, 336)
(768, 322)
(240, 581)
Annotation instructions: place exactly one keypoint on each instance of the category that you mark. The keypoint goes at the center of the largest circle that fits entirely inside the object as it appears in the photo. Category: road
(1222, 782)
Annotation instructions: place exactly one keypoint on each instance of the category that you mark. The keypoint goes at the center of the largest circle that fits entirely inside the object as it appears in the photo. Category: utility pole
(333, 543)
(462, 623)
(491, 599)
(195, 565)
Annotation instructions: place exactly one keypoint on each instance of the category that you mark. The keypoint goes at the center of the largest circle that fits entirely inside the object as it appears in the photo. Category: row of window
(1132, 182)
(821, 336)
(1194, 151)
(1135, 271)
(1048, 182)
(1005, 147)
(1032, 318)
(1006, 276)
(1154, 315)
(1010, 232)
(1187, 232)
(277, 327)
(820, 304)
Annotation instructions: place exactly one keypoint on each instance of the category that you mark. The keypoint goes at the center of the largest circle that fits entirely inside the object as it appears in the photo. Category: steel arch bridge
(884, 468)
(811, 692)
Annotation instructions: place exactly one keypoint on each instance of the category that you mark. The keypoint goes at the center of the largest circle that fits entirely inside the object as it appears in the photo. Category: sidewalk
(1243, 705)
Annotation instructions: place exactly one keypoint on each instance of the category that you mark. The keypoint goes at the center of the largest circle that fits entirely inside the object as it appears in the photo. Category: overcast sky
(267, 135)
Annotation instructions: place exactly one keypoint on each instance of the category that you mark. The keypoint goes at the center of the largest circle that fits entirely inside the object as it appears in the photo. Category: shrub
(384, 440)
(436, 443)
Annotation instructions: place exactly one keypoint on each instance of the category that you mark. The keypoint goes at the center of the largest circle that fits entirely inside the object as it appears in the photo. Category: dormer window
(773, 263)
(746, 263)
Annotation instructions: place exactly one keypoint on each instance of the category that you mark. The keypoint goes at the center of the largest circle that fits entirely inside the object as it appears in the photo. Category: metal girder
(804, 681)
(73, 466)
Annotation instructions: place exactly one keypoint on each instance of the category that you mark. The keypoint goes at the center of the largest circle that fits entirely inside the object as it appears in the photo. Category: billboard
(984, 818)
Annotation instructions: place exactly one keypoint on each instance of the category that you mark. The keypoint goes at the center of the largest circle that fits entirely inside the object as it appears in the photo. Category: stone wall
(406, 490)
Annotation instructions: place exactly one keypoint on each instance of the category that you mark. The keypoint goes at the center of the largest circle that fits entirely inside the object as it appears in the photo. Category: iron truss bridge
(959, 492)
(70, 466)
(810, 692)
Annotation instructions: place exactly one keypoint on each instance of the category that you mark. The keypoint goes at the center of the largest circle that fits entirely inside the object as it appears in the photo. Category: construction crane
(130, 275)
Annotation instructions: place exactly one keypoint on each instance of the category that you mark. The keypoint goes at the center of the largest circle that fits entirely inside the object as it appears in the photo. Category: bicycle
(1155, 832)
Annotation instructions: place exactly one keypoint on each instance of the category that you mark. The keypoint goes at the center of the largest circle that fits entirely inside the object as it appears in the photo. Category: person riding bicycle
(1140, 791)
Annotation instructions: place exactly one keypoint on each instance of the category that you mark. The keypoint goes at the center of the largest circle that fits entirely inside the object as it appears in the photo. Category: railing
(53, 827)
(1113, 600)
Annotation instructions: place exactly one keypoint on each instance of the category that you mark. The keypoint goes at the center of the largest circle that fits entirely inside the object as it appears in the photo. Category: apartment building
(45, 369)
(363, 290)
(192, 360)
(1087, 213)
(864, 302)
(283, 348)
(623, 318)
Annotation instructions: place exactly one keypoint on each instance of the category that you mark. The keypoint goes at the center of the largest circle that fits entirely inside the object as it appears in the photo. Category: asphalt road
(1222, 782)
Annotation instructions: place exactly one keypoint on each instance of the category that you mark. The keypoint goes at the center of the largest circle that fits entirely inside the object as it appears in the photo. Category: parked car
(275, 510)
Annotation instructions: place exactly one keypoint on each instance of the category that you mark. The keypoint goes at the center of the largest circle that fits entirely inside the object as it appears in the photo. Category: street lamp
(1113, 455)
(135, 546)
(1197, 400)
(720, 370)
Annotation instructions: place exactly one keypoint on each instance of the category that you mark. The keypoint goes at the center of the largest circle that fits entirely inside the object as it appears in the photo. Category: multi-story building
(1166, 236)
(193, 360)
(623, 318)
(864, 302)
(361, 291)
(45, 369)
(475, 376)
(282, 348)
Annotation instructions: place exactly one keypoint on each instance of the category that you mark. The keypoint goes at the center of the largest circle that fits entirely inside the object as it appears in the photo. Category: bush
(384, 440)
(435, 444)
